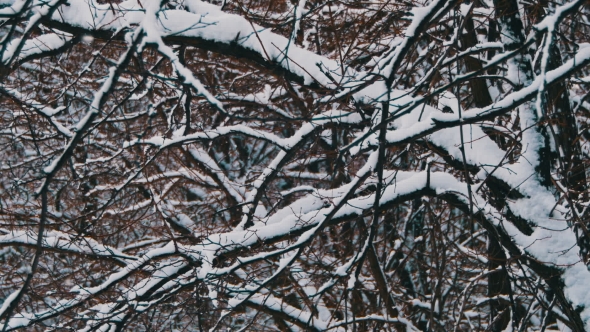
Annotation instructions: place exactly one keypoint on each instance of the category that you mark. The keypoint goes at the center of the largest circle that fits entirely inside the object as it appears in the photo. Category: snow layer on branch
(64, 242)
(207, 22)
(43, 43)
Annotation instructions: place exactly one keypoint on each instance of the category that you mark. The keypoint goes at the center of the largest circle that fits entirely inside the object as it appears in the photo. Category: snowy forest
(294, 165)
